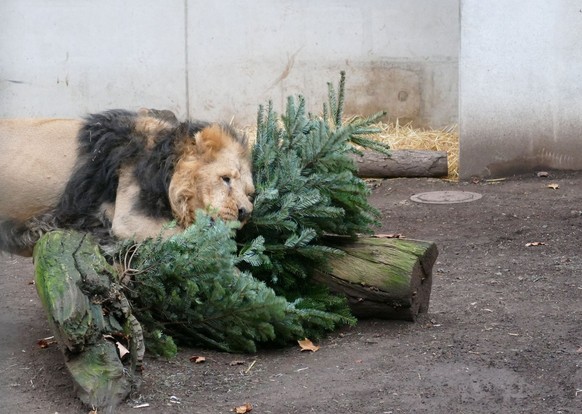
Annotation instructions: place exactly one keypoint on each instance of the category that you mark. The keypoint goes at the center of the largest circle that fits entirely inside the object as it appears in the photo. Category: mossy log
(89, 316)
(387, 278)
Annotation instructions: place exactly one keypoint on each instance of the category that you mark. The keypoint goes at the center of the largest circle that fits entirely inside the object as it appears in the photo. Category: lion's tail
(19, 238)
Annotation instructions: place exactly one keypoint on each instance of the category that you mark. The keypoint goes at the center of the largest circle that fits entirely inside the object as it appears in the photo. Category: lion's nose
(243, 214)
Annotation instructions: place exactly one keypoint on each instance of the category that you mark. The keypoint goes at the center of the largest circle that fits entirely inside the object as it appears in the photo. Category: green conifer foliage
(306, 187)
(188, 288)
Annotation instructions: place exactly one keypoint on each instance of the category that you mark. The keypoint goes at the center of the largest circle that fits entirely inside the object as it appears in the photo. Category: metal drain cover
(446, 197)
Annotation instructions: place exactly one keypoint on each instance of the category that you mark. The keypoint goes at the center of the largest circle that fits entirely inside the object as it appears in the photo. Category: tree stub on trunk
(402, 163)
(89, 316)
(386, 278)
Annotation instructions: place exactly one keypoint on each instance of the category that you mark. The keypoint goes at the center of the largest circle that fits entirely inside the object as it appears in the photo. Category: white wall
(221, 59)
(268, 50)
(69, 57)
(520, 86)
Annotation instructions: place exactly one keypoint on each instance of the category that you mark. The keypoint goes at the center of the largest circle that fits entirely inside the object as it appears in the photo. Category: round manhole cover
(445, 197)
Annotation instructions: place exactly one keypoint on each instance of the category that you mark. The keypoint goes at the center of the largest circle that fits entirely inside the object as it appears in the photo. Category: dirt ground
(503, 333)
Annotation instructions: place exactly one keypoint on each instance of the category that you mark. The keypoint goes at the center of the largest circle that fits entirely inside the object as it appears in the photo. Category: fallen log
(386, 278)
(402, 163)
(89, 316)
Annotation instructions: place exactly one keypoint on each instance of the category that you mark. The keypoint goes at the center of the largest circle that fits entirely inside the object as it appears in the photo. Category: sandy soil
(503, 333)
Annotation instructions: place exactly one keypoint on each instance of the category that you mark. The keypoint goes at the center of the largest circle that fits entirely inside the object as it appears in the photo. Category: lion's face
(214, 174)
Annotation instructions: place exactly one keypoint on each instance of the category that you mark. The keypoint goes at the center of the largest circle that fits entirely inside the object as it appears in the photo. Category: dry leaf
(543, 174)
(535, 244)
(237, 362)
(307, 345)
(46, 342)
(553, 186)
(123, 351)
(197, 359)
(246, 408)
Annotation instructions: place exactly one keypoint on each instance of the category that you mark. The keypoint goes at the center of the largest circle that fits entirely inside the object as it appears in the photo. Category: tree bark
(89, 316)
(384, 278)
(402, 163)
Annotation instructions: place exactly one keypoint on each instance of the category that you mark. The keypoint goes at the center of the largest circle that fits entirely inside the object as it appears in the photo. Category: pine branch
(191, 290)
(311, 188)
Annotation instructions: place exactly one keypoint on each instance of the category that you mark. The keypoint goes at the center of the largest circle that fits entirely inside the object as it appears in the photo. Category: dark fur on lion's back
(108, 141)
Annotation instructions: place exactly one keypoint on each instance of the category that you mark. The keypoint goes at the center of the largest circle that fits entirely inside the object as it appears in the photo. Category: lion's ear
(211, 140)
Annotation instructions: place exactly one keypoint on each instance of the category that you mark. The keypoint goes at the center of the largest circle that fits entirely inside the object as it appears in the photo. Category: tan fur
(126, 222)
(37, 157)
(151, 122)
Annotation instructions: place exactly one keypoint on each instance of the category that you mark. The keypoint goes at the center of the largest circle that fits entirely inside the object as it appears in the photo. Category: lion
(119, 174)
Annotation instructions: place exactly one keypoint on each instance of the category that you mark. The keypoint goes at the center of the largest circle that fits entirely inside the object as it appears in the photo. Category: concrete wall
(70, 57)
(520, 86)
(221, 59)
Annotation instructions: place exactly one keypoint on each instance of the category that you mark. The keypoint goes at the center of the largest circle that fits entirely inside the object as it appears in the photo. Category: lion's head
(213, 173)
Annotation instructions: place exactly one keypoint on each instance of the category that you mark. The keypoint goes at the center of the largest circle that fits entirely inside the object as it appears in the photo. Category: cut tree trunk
(386, 278)
(90, 317)
(402, 163)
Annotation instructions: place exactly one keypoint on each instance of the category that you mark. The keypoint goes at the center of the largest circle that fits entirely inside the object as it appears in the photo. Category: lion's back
(37, 157)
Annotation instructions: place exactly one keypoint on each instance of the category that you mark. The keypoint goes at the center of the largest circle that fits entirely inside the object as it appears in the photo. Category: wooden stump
(385, 278)
(402, 163)
(89, 316)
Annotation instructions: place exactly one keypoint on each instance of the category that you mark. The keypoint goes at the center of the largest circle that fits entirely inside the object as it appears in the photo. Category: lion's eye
(226, 179)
